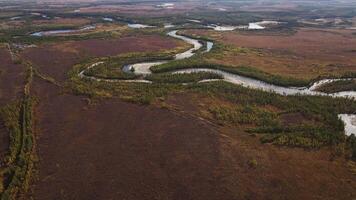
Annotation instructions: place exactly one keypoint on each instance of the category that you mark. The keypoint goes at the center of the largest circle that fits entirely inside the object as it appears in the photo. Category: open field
(11, 84)
(182, 100)
(11, 78)
(304, 55)
(138, 152)
(57, 59)
(152, 153)
(99, 48)
(62, 21)
(16, 25)
(149, 8)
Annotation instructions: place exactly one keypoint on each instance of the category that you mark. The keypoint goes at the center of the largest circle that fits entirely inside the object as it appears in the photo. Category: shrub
(182, 78)
(253, 163)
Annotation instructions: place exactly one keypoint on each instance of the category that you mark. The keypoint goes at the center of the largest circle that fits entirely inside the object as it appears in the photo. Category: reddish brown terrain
(309, 43)
(98, 48)
(57, 59)
(109, 149)
(115, 150)
(149, 8)
(11, 78)
(184, 141)
(11, 85)
(62, 21)
(306, 54)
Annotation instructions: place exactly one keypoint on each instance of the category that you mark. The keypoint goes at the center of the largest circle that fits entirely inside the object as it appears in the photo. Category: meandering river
(143, 68)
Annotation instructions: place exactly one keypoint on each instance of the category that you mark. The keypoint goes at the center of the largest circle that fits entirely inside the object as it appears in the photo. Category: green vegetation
(197, 37)
(253, 163)
(19, 163)
(248, 107)
(306, 136)
(338, 86)
(22, 34)
(257, 112)
(196, 62)
(251, 107)
(244, 115)
(112, 66)
(182, 78)
(134, 92)
(351, 144)
(28, 28)
(199, 61)
(26, 38)
(10, 116)
(46, 78)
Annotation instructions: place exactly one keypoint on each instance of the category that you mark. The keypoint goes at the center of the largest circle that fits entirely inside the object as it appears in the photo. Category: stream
(62, 31)
(143, 68)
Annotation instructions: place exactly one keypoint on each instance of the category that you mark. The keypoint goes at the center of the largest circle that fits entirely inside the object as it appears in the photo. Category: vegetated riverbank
(111, 68)
(326, 128)
(139, 147)
(323, 134)
(287, 56)
(62, 56)
(183, 78)
(337, 86)
(131, 149)
(198, 62)
(56, 33)
(143, 68)
(307, 136)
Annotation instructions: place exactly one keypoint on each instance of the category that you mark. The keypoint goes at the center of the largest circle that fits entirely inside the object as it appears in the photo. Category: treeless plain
(306, 54)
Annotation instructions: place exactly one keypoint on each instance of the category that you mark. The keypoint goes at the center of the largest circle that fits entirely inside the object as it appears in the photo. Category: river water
(143, 68)
(62, 31)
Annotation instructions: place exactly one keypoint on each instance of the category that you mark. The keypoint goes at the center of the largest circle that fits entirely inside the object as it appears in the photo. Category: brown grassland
(172, 149)
(143, 9)
(62, 21)
(11, 84)
(147, 152)
(102, 140)
(58, 58)
(307, 54)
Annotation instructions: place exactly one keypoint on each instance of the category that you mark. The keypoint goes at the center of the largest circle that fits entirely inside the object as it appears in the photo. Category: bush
(197, 62)
(10, 115)
(19, 168)
(253, 163)
(182, 78)
(338, 86)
